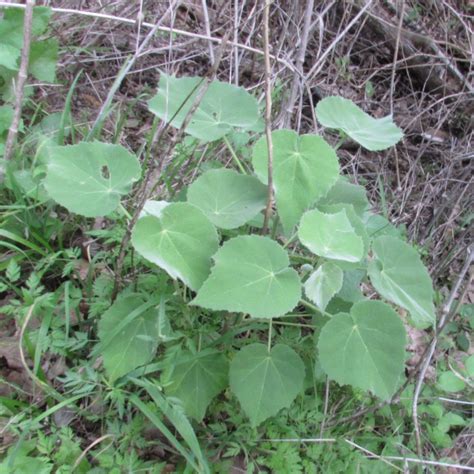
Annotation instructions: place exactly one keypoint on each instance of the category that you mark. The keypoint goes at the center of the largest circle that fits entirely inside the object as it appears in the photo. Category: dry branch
(21, 81)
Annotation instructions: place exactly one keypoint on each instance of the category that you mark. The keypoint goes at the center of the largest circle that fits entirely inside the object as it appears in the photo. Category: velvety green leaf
(128, 333)
(377, 225)
(365, 349)
(265, 382)
(469, 363)
(331, 236)
(30, 185)
(196, 379)
(343, 114)
(399, 275)
(449, 382)
(9, 56)
(11, 26)
(323, 284)
(304, 170)
(227, 198)
(181, 241)
(350, 290)
(344, 192)
(90, 178)
(43, 59)
(251, 275)
(223, 108)
(6, 117)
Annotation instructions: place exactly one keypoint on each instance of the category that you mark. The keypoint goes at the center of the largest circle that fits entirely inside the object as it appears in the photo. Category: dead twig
(298, 78)
(145, 192)
(268, 113)
(21, 81)
(446, 315)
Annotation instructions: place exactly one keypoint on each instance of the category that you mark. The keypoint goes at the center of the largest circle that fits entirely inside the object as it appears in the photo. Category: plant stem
(124, 211)
(234, 156)
(270, 326)
(268, 114)
(21, 81)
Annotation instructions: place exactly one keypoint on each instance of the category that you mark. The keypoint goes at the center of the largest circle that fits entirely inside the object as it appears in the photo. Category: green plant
(209, 244)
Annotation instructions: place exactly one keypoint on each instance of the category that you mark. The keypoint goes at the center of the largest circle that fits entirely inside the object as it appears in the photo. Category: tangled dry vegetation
(411, 59)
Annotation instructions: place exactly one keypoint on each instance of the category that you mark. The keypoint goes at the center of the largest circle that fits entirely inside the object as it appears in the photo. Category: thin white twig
(207, 25)
(371, 454)
(317, 66)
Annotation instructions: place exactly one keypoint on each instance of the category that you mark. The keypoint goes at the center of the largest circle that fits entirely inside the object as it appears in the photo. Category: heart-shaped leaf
(265, 382)
(399, 275)
(365, 349)
(251, 275)
(128, 333)
(196, 379)
(331, 236)
(323, 284)
(344, 192)
(181, 241)
(223, 108)
(304, 170)
(43, 59)
(227, 198)
(343, 114)
(90, 178)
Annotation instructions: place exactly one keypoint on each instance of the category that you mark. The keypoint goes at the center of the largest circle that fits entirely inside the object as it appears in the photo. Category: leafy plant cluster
(225, 313)
(210, 242)
(42, 60)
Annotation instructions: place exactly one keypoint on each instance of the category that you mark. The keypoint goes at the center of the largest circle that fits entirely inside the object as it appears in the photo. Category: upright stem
(21, 81)
(268, 113)
(270, 327)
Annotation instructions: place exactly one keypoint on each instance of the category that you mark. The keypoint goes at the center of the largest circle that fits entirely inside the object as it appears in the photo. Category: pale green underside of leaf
(323, 284)
(359, 229)
(75, 177)
(265, 382)
(181, 241)
(251, 275)
(136, 342)
(153, 208)
(331, 236)
(365, 349)
(227, 198)
(399, 275)
(196, 379)
(223, 108)
(304, 170)
(343, 114)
